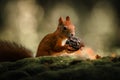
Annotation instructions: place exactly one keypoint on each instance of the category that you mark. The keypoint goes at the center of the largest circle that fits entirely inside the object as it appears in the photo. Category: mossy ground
(61, 68)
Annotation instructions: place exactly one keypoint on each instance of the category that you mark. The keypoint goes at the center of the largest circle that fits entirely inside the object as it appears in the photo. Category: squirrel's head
(66, 28)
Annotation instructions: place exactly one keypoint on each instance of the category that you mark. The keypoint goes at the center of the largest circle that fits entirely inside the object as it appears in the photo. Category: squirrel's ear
(60, 20)
(67, 18)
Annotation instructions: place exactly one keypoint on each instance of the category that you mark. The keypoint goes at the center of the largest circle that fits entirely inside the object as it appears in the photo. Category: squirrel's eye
(64, 28)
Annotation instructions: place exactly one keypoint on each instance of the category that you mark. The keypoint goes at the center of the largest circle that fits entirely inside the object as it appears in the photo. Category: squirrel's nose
(71, 35)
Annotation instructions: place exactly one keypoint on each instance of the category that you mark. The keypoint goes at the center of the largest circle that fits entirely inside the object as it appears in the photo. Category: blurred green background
(28, 21)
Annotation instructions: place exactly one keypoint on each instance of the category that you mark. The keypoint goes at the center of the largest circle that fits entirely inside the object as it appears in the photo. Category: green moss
(60, 68)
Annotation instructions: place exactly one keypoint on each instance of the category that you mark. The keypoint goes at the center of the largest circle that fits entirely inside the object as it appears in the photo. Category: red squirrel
(51, 44)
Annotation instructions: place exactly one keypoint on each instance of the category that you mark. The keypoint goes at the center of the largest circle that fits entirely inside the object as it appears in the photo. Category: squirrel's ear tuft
(60, 20)
(67, 18)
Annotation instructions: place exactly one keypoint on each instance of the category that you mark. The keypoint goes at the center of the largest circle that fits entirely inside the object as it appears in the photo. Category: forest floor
(61, 68)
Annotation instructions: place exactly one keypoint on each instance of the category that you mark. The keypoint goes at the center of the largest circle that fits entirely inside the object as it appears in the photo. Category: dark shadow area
(2, 6)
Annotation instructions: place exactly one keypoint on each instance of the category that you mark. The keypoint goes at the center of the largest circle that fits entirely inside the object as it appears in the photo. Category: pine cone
(74, 43)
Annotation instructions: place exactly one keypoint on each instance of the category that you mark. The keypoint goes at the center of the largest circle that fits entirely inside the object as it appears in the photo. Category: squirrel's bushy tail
(11, 51)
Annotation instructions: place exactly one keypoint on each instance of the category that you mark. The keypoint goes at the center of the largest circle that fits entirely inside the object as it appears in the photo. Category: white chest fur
(63, 42)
